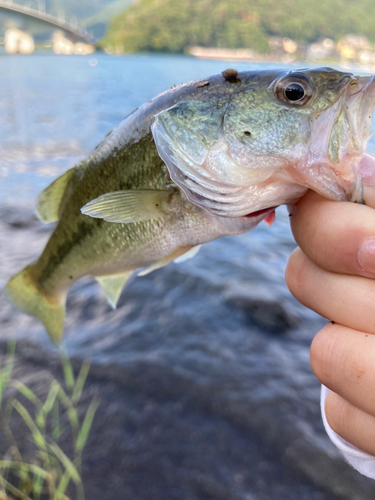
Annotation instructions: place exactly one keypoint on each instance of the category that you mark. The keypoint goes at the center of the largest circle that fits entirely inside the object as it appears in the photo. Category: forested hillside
(93, 14)
(174, 25)
(80, 9)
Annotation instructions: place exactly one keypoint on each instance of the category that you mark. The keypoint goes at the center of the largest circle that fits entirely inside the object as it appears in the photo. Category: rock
(262, 309)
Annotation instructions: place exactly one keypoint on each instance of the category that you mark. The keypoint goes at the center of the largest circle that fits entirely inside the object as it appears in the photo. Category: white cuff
(361, 461)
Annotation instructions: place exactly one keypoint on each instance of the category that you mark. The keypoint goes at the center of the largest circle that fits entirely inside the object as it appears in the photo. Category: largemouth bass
(203, 160)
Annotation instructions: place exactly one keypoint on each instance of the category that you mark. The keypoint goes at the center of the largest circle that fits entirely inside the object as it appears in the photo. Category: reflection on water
(55, 110)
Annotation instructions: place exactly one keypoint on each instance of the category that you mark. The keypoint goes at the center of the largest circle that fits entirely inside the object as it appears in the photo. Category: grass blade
(70, 410)
(66, 462)
(57, 430)
(26, 392)
(35, 432)
(63, 485)
(81, 379)
(86, 426)
(67, 368)
(16, 492)
(52, 395)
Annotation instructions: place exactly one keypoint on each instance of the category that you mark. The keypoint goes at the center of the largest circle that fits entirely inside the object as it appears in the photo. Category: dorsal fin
(112, 286)
(49, 200)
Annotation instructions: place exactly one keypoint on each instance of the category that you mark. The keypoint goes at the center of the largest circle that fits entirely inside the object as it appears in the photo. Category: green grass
(48, 473)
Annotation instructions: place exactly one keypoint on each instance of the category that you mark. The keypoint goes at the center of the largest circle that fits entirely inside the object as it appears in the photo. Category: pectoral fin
(133, 205)
(177, 255)
(112, 286)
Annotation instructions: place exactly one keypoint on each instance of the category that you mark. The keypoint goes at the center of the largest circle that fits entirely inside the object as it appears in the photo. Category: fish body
(203, 160)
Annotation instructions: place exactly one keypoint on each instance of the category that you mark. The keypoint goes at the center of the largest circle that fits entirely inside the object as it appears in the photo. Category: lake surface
(221, 328)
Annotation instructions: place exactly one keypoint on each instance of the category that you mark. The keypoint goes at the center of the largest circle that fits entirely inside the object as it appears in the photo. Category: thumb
(369, 195)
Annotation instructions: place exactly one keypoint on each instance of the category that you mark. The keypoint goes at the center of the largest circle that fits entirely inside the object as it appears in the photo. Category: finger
(352, 424)
(337, 236)
(348, 300)
(343, 360)
(369, 196)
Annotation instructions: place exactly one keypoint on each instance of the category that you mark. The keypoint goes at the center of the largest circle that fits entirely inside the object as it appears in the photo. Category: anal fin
(178, 255)
(112, 286)
(188, 255)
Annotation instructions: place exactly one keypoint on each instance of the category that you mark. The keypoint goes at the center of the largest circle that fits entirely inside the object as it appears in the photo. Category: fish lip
(336, 166)
(361, 127)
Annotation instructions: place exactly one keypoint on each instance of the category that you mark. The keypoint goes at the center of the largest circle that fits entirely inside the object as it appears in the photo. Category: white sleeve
(361, 461)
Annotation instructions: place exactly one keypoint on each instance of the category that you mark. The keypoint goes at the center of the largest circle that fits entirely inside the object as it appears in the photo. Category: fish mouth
(360, 101)
(244, 223)
(360, 104)
(339, 138)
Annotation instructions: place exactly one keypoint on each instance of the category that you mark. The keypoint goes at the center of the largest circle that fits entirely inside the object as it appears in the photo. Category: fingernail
(366, 256)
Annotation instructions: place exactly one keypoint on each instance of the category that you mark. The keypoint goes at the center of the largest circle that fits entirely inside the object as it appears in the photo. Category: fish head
(332, 112)
(268, 139)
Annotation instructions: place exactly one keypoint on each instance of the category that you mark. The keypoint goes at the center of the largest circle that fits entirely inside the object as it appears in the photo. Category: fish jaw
(239, 225)
(339, 138)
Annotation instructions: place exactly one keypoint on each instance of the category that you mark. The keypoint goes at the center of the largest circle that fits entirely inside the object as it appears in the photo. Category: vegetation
(48, 473)
(105, 15)
(173, 26)
(72, 8)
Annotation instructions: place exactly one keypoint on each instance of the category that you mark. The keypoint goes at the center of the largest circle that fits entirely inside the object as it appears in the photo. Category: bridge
(66, 32)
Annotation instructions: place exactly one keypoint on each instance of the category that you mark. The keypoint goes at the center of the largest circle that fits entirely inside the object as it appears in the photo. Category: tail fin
(23, 292)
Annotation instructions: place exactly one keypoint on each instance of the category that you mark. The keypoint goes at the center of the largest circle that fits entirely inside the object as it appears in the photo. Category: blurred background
(206, 392)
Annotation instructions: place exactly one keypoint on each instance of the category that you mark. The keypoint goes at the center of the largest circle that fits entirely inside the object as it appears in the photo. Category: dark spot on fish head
(230, 75)
(247, 133)
(70, 277)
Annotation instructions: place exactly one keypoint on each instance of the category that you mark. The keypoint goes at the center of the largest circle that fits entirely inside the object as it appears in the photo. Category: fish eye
(295, 90)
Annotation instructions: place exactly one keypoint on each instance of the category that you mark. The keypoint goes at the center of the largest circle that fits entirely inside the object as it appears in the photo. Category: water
(181, 331)
(56, 110)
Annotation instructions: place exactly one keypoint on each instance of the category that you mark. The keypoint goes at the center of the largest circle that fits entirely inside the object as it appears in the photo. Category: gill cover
(204, 158)
(209, 157)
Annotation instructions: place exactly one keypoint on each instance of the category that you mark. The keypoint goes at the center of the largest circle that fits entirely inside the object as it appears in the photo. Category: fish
(210, 158)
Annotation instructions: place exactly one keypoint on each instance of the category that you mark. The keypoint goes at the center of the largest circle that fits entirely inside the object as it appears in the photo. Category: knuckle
(325, 355)
(336, 410)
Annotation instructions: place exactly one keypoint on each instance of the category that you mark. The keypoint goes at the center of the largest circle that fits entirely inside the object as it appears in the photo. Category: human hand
(333, 273)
